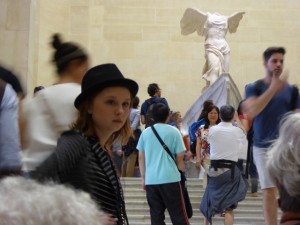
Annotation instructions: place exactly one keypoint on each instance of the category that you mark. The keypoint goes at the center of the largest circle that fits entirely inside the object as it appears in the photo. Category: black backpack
(149, 120)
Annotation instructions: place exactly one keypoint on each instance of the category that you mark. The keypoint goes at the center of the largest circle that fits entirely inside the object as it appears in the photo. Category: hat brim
(127, 83)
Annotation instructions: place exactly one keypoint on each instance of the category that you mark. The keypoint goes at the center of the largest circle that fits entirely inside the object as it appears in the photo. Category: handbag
(187, 201)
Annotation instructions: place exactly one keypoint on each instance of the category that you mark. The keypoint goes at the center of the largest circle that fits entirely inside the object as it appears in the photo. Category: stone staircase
(248, 212)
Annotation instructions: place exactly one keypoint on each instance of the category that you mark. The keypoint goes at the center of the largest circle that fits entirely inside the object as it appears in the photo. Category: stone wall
(14, 37)
(143, 38)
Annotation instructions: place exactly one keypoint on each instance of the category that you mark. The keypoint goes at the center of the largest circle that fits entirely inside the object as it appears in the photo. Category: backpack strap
(149, 102)
(2, 89)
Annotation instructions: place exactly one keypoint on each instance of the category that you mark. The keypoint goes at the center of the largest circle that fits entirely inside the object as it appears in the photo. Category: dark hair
(135, 102)
(152, 89)
(270, 51)
(65, 53)
(160, 112)
(226, 113)
(239, 109)
(37, 89)
(205, 105)
(208, 110)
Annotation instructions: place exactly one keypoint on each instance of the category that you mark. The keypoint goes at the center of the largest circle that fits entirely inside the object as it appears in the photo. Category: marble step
(248, 212)
(196, 220)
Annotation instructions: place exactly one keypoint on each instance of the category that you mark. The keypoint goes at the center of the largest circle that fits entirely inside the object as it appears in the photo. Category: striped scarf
(105, 187)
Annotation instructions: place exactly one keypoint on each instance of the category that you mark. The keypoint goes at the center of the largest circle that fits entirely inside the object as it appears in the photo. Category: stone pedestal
(223, 91)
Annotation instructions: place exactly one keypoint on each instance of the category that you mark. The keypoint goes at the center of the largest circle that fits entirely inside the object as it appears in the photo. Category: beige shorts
(260, 160)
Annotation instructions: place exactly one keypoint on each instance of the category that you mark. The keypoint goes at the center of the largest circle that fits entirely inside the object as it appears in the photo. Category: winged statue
(214, 27)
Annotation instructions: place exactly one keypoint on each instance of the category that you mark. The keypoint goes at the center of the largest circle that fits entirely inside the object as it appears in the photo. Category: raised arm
(256, 104)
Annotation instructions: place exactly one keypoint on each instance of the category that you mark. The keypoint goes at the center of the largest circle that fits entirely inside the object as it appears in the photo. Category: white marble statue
(214, 27)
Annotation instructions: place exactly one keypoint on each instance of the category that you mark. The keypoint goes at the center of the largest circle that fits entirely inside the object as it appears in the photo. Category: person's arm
(198, 151)
(10, 158)
(239, 123)
(143, 112)
(165, 102)
(242, 145)
(245, 122)
(142, 167)
(143, 121)
(256, 104)
(180, 162)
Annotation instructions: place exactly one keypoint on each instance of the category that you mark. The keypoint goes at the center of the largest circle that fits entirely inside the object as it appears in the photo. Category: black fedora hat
(100, 77)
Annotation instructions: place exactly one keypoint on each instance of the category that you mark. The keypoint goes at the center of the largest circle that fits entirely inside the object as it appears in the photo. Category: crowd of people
(84, 133)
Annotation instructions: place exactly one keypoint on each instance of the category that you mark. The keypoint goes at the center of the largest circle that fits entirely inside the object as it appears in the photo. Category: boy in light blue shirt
(160, 175)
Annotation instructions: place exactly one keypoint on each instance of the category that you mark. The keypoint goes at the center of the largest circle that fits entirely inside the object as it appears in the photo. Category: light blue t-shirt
(159, 166)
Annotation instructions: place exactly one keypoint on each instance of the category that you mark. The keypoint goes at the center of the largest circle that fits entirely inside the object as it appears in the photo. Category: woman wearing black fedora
(83, 155)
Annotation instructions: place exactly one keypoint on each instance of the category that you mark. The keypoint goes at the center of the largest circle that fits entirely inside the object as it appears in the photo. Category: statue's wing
(233, 21)
(192, 20)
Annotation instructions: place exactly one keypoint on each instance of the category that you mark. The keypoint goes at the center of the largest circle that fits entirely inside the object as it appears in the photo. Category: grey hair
(284, 156)
(26, 202)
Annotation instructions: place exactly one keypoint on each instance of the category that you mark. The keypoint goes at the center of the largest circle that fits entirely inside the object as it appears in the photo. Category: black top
(81, 163)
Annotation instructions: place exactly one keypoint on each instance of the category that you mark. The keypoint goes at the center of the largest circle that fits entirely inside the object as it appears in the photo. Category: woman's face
(178, 118)
(110, 109)
(213, 116)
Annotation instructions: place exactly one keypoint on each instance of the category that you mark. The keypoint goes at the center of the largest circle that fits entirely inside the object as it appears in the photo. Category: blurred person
(267, 100)
(160, 176)
(26, 202)
(154, 92)
(195, 126)
(10, 156)
(117, 156)
(130, 152)
(176, 120)
(10, 78)
(52, 111)
(83, 157)
(283, 166)
(226, 185)
(211, 118)
(250, 165)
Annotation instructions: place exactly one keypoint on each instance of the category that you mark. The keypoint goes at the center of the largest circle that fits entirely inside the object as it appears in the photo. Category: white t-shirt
(227, 142)
(50, 112)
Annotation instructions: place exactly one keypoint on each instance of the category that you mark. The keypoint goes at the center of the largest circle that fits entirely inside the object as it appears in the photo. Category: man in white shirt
(226, 186)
